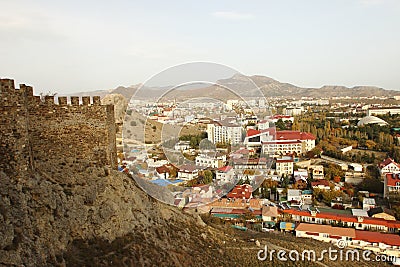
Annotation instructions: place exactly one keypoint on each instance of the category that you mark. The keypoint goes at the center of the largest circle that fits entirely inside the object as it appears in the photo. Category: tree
(280, 125)
(207, 177)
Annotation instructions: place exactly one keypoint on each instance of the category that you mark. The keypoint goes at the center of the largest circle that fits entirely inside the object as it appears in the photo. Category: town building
(325, 233)
(316, 171)
(244, 191)
(182, 146)
(389, 166)
(225, 174)
(284, 165)
(380, 212)
(380, 243)
(321, 184)
(383, 111)
(294, 197)
(289, 142)
(391, 184)
(210, 161)
(188, 172)
(359, 223)
(226, 131)
(368, 203)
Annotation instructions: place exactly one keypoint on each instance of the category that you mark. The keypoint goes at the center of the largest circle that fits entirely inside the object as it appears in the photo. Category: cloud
(232, 15)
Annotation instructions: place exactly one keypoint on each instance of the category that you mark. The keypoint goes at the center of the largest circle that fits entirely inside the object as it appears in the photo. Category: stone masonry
(37, 130)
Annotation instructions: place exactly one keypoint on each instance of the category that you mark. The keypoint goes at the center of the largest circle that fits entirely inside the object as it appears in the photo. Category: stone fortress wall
(37, 130)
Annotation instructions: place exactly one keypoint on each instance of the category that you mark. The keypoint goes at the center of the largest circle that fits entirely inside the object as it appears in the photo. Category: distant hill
(240, 83)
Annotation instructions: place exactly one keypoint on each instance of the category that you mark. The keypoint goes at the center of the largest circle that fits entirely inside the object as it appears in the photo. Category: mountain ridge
(247, 86)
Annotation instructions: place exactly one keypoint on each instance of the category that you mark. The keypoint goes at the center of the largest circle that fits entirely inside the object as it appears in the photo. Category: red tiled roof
(326, 229)
(376, 237)
(392, 178)
(387, 162)
(162, 169)
(291, 135)
(225, 168)
(282, 142)
(241, 191)
(278, 116)
(320, 182)
(345, 218)
(251, 132)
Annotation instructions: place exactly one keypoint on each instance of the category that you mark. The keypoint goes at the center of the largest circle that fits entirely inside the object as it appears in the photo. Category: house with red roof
(224, 174)
(381, 243)
(241, 191)
(346, 220)
(275, 118)
(164, 171)
(282, 147)
(389, 166)
(326, 233)
(306, 138)
(321, 184)
(234, 208)
(254, 138)
(391, 184)
(251, 163)
(388, 244)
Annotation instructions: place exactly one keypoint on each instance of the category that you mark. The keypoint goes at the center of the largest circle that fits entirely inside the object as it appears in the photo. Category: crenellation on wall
(35, 132)
(62, 100)
(85, 100)
(6, 85)
(27, 90)
(75, 100)
(49, 100)
(96, 100)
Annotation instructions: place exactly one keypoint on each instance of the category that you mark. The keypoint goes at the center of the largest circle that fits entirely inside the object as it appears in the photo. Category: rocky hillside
(42, 217)
(90, 216)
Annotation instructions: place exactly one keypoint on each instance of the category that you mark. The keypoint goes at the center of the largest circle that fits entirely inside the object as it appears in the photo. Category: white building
(182, 145)
(227, 131)
(225, 174)
(368, 203)
(231, 103)
(284, 165)
(289, 142)
(383, 111)
(293, 111)
(204, 160)
(188, 172)
(294, 197)
(389, 166)
(282, 147)
(254, 138)
(263, 124)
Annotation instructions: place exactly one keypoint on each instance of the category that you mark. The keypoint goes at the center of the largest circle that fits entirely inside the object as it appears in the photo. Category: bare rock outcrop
(41, 218)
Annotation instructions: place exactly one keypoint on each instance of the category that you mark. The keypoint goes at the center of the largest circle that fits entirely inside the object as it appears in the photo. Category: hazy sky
(67, 46)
